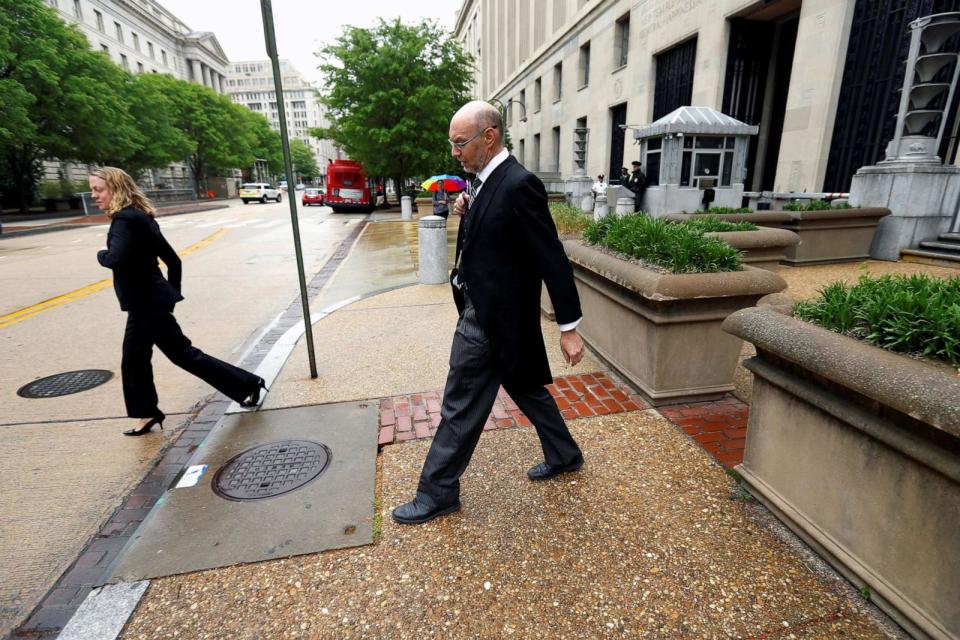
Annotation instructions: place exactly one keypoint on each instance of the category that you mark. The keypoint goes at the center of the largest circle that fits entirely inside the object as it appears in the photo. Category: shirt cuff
(570, 326)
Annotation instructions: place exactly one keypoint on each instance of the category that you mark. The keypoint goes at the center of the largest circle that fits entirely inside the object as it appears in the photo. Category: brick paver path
(720, 426)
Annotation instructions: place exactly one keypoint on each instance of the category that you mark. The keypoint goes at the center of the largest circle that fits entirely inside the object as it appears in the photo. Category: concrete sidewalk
(652, 539)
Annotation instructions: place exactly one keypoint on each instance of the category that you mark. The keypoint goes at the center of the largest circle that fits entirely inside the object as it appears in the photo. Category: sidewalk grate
(64, 384)
(271, 470)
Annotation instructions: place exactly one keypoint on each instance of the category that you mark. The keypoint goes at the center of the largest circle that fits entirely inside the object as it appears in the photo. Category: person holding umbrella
(441, 185)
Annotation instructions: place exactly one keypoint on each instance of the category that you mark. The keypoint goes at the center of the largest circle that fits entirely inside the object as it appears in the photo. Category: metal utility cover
(193, 528)
(63, 384)
(271, 470)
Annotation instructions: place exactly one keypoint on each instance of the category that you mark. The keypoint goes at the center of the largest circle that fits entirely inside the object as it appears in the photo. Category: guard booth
(693, 156)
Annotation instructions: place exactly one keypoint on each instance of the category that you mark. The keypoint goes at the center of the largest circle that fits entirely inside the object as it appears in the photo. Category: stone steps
(942, 252)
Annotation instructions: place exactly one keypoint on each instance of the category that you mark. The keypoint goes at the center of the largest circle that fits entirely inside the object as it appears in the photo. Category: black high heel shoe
(139, 431)
(253, 399)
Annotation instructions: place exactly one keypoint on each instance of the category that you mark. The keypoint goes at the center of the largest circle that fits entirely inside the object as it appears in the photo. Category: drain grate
(63, 384)
(271, 469)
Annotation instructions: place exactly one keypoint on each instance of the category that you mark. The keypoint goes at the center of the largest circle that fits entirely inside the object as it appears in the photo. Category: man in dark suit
(638, 184)
(506, 246)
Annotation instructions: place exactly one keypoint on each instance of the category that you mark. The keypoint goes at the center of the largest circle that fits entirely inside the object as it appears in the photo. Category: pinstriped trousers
(468, 397)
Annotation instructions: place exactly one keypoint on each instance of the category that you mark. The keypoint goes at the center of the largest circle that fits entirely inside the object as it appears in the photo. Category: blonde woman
(134, 244)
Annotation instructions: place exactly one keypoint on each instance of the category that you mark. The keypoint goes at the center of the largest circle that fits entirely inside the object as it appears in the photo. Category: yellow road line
(90, 289)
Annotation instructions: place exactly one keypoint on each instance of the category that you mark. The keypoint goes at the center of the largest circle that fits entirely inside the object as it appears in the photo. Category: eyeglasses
(461, 145)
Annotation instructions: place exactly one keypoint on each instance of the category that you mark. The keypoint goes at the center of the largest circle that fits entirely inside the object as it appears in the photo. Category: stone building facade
(251, 84)
(818, 77)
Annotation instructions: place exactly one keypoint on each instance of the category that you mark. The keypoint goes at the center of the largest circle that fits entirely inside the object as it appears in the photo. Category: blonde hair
(125, 191)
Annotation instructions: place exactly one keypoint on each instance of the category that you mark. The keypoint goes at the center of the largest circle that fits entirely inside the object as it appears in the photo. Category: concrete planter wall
(858, 450)
(832, 235)
(661, 331)
(764, 248)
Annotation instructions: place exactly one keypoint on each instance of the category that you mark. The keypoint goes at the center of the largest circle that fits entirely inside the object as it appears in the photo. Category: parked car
(282, 185)
(300, 187)
(312, 196)
(261, 191)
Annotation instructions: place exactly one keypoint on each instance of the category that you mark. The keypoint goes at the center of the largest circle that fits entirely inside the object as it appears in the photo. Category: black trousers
(160, 328)
(471, 390)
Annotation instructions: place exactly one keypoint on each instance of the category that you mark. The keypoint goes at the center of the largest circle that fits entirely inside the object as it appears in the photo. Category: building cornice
(465, 10)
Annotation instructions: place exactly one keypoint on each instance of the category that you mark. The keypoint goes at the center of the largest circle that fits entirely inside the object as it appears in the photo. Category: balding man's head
(476, 130)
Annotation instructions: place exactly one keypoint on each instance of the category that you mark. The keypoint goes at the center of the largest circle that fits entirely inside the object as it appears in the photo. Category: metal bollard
(586, 202)
(433, 250)
(624, 206)
(406, 208)
(600, 209)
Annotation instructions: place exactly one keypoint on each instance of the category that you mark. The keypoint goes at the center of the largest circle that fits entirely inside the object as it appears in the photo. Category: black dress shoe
(544, 471)
(416, 512)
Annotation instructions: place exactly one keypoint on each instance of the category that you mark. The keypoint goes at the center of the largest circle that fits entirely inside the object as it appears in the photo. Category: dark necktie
(474, 187)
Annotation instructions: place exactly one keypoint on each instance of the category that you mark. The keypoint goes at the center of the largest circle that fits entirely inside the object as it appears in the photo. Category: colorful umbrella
(445, 182)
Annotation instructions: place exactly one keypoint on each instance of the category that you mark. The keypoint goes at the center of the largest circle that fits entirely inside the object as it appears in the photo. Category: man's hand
(572, 346)
(460, 206)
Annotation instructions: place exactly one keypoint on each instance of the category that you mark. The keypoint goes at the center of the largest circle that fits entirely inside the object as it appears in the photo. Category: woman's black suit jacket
(134, 243)
(506, 246)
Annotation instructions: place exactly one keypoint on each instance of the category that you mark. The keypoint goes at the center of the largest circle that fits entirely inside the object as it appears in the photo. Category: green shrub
(725, 210)
(710, 223)
(424, 194)
(813, 205)
(678, 248)
(50, 189)
(914, 314)
(569, 220)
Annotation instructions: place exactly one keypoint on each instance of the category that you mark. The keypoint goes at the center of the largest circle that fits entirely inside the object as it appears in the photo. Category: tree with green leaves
(304, 162)
(58, 99)
(390, 92)
(266, 141)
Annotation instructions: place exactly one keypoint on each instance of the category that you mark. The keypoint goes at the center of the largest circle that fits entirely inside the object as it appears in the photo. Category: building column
(220, 84)
(206, 74)
(195, 65)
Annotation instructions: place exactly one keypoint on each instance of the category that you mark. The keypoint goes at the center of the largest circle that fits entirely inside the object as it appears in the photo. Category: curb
(74, 225)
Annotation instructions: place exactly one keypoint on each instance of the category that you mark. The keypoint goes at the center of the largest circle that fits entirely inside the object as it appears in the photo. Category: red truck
(348, 188)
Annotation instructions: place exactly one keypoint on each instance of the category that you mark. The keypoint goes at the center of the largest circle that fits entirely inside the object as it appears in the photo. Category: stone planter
(832, 235)
(764, 248)
(660, 331)
(424, 206)
(858, 450)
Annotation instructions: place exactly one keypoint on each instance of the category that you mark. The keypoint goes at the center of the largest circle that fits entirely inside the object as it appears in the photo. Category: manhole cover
(63, 384)
(271, 470)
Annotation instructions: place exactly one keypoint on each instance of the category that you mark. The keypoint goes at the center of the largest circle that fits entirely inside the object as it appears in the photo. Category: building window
(105, 49)
(124, 62)
(119, 29)
(584, 65)
(557, 81)
(150, 50)
(621, 44)
(139, 67)
(163, 56)
(537, 91)
(523, 105)
(53, 3)
(580, 146)
(651, 163)
(674, 78)
(535, 160)
(136, 41)
(521, 151)
(77, 10)
(99, 17)
(556, 149)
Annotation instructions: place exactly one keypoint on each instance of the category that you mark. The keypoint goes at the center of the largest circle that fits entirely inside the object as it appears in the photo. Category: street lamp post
(266, 7)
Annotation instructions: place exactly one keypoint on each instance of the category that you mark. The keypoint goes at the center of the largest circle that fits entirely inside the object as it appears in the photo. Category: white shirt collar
(495, 162)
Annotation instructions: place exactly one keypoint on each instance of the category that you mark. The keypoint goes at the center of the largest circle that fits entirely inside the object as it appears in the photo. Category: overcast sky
(302, 26)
